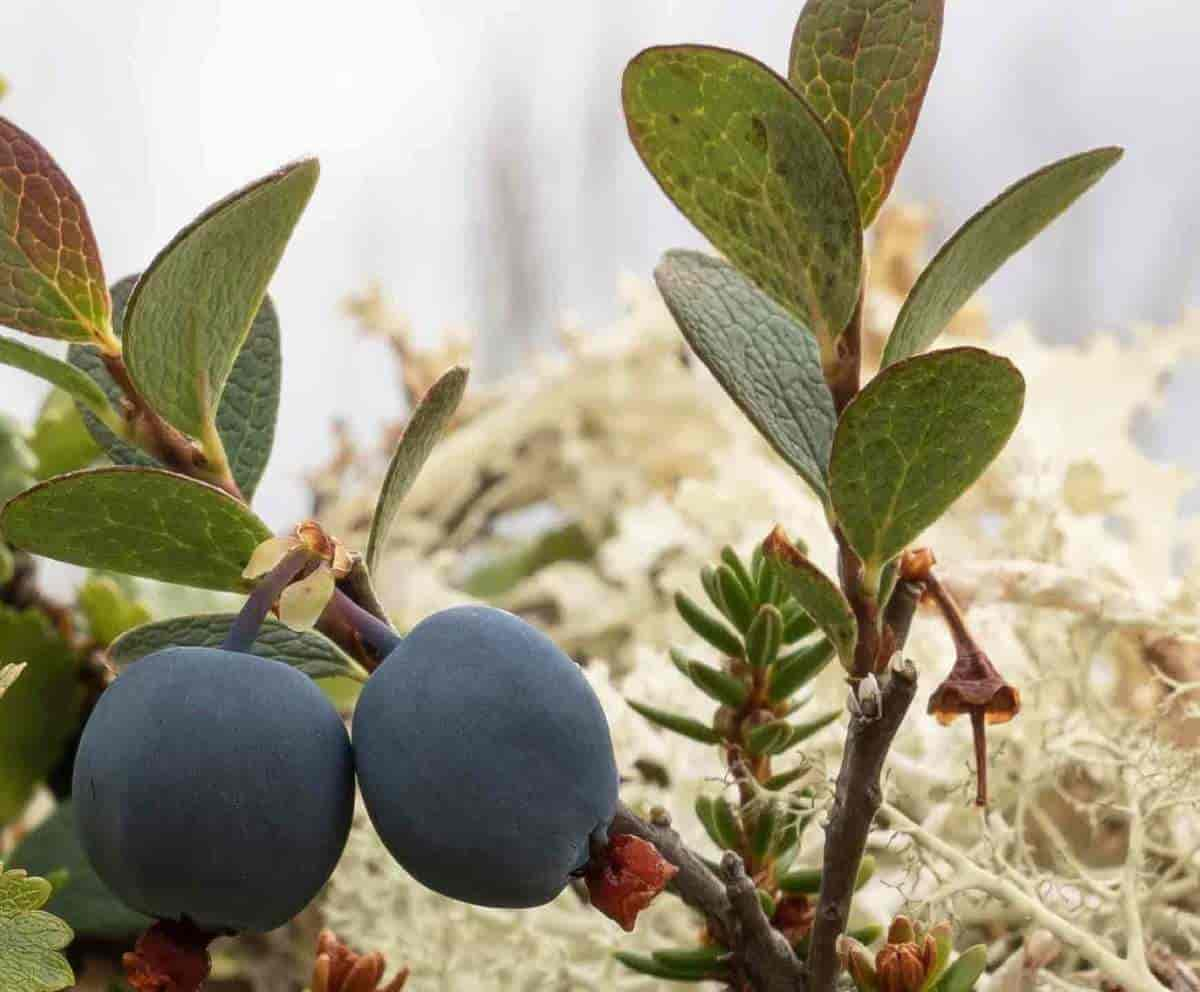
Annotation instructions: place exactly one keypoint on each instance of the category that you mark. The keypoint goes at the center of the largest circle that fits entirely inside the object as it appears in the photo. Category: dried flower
(169, 957)
(301, 603)
(339, 969)
(623, 879)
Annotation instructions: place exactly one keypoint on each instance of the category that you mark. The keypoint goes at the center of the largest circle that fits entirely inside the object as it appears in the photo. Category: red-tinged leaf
(51, 279)
(627, 879)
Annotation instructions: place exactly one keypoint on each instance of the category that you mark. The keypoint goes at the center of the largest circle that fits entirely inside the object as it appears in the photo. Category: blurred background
(475, 164)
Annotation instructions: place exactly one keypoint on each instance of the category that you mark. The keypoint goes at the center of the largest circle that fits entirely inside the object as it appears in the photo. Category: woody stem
(979, 731)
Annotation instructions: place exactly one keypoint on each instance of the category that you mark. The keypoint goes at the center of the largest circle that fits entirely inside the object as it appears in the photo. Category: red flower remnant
(339, 969)
(973, 688)
(169, 957)
(624, 878)
(794, 917)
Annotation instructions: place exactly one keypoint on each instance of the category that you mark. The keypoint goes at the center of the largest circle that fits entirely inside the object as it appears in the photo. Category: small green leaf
(735, 598)
(84, 902)
(138, 521)
(806, 881)
(108, 609)
(421, 433)
(31, 938)
(191, 310)
(866, 871)
(60, 440)
(498, 575)
(797, 669)
(797, 625)
(729, 827)
(815, 592)
(781, 781)
(768, 364)
(58, 373)
(764, 636)
(751, 166)
(803, 731)
(730, 558)
(40, 710)
(706, 814)
(670, 972)
(305, 650)
(765, 826)
(686, 726)
(714, 683)
(986, 242)
(864, 67)
(962, 975)
(769, 738)
(51, 279)
(17, 461)
(707, 626)
(787, 843)
(914, 440)
(707, 955)
(943, 942)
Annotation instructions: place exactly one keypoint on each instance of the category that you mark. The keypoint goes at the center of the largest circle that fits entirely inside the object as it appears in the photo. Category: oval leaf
(816, 593)
(914, 440)
(985, 242)
(768, 364)
(751, 166)
(421, 433)
(30, 938)
(306, 650)
(51, 280)
(191, 310)
(139, 521)
(57, 373)
(864, 67)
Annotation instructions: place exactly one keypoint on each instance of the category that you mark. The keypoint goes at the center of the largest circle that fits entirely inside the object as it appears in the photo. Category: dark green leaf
(797, 669)
(58, 373)
(707, 626)
(423, 430)
(914, 440)
(735, 598)
(764, 636)
(707, 817)
(305, 650)
(729, 828)
(765, 826)
(51, 280)
(138, 521)
(40, 711)
(730, 558)
(803, 731)
(781, 781)
(769, 738)
(686, 726)
(669, 972)
(864, 67)
(191, 310)
(751, 166)
(806, 881)
(707, 955)
(799, 624)
(768, 364)
(84, 902)
(815, 592)
(986, 242)
(714, 683)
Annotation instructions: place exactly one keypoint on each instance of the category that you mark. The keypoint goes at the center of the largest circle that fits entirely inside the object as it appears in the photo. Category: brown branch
(858, 796)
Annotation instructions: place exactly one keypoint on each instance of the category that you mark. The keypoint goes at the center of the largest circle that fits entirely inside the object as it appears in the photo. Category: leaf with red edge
(51, 280)
(627, 879)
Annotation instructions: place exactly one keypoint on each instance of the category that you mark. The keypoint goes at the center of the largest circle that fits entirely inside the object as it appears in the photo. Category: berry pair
(217, 787)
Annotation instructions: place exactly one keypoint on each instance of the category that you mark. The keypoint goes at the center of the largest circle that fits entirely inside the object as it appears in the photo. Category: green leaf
(768, 364)
(735, 597)
(714, 683)
(39, 712)
(797, 669)
(864, 67)
(914, 440)
(109, 610)
(764, 636)
(707, 626)
(31, 938)
(765, 826)
(305, 650)
(805, 881)
(797, 625)
(728, 828)
(686, 726)
(707, 955)
(58, 373)
(250, 403)
(962, 975)
(673, 972)
(781, 781)
(138, 521)
(421, 433)
(803, 731)
(191, 310)
(17, 461)
(751, 166)
(730, 558)
(84, 902)
(815, 592)
(60, 440)
(769, 738)
(985, 242)
(51, 279)
(500, 574)
(706, 814)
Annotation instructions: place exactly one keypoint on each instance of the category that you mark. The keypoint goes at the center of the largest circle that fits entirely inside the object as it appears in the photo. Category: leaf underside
(768, 364)
(914, 440)
(139, 521)
(749, 164)
(864, 67)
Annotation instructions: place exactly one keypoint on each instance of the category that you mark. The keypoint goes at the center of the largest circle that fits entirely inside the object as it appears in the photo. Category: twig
(765, 954)
(1131, 978)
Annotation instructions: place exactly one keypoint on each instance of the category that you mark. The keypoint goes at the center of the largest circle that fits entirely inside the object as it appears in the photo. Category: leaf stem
(377, 635)
(258, 604)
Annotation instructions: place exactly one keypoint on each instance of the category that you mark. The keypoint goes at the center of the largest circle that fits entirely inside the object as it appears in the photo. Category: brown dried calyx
(973, 688)
(339, 969)
(169, 957)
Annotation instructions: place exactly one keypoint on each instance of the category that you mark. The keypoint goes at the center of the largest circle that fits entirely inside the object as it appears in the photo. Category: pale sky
(157, 108)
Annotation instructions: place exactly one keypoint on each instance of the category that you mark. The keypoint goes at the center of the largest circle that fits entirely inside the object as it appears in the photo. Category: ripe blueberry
(484, 758)
(214, 786)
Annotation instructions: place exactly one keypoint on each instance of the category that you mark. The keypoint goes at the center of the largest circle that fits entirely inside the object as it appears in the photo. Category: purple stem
(258, 604)
(376, 634)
